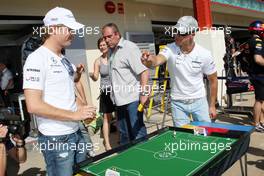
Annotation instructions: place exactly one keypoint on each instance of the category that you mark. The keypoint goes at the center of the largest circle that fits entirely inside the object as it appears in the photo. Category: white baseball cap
(186, 24)
(59, 15)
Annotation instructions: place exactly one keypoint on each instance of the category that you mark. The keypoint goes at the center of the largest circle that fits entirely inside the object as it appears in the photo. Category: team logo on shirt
(53, 60)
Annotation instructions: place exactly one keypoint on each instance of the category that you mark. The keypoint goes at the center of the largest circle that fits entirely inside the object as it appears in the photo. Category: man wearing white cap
(188, 62)
(49, 90)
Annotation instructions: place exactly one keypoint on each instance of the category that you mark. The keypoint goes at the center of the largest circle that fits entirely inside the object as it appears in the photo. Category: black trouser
(6, 98)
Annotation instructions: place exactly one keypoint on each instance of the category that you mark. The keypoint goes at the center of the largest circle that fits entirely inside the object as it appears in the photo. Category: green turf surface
(157, 157)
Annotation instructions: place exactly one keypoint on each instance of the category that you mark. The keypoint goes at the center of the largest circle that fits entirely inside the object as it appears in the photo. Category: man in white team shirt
(49, 90)
(187, 64)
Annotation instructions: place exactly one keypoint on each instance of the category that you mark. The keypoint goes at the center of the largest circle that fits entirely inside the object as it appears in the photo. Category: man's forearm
(81, 92)
(213, 91)
(21, 154)
(2, 159)
(154, 61)
(158, 60)
(144, 80)
(77, 77)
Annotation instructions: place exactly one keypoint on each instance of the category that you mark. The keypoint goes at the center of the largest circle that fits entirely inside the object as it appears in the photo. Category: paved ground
(35, 164)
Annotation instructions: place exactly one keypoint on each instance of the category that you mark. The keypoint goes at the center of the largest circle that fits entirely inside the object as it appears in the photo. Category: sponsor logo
(197, 62)
(54, 19)
(55, 65)
(33, 79)
(70, 16)
(57, 71)
(33, 70)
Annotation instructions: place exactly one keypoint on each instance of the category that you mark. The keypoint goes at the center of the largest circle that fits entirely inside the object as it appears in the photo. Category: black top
(8, 144)
(255, 48)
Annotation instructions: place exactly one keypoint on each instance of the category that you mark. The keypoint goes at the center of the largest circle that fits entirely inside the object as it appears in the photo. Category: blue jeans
(181, 111)
(61, 153)
(87, 138)
(130, 122)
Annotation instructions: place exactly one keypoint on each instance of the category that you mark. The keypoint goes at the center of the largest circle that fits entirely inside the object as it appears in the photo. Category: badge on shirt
(259, 46)
(53, 60)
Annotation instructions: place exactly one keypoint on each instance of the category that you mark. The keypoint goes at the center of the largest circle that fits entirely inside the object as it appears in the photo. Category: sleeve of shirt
(34, 73)
(166, 52)
(5, 79)
(9, 75)
(135, 61)
(209, 66)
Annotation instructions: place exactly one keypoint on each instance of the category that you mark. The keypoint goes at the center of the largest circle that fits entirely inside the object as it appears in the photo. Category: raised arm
(152, 61)
(95, 74)
(80, 93)
(78, 73)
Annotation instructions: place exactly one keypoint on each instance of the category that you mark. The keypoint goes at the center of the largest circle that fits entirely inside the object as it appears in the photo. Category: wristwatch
(2, 140)
(21, 145)
(144, 93)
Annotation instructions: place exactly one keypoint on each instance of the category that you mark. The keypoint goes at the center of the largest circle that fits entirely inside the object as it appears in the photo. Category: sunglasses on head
(68, 66)
(183, 35)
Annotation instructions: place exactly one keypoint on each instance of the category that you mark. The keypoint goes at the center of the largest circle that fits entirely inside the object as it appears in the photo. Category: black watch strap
(2, 140)
(21, 145)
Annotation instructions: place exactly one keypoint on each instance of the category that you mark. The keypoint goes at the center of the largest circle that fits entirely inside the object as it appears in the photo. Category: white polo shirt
(186, 71)
(44, 71)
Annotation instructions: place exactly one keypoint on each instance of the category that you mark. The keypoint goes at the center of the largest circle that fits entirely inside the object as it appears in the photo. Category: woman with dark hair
(101, 66)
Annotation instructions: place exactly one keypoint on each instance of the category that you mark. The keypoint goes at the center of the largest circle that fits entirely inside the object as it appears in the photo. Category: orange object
(202, 12)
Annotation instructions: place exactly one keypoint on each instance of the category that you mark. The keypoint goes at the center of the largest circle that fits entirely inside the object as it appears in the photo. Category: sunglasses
(68, 66)
(182, 35)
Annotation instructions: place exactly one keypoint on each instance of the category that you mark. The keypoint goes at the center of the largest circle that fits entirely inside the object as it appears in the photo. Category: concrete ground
(35, 164)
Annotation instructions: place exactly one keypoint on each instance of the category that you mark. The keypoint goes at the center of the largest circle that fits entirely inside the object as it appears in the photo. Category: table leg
(241, 166)
(246, 172)
(243, 169)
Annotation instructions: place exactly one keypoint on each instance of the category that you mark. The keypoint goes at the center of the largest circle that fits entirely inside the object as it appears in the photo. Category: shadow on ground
(258, 164)
(256, 151)
(235, 119)
(34, 171)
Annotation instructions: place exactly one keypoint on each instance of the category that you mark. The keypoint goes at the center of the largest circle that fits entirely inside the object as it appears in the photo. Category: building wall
(137, 17)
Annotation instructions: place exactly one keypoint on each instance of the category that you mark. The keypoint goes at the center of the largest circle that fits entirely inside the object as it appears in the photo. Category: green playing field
(164, 154)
